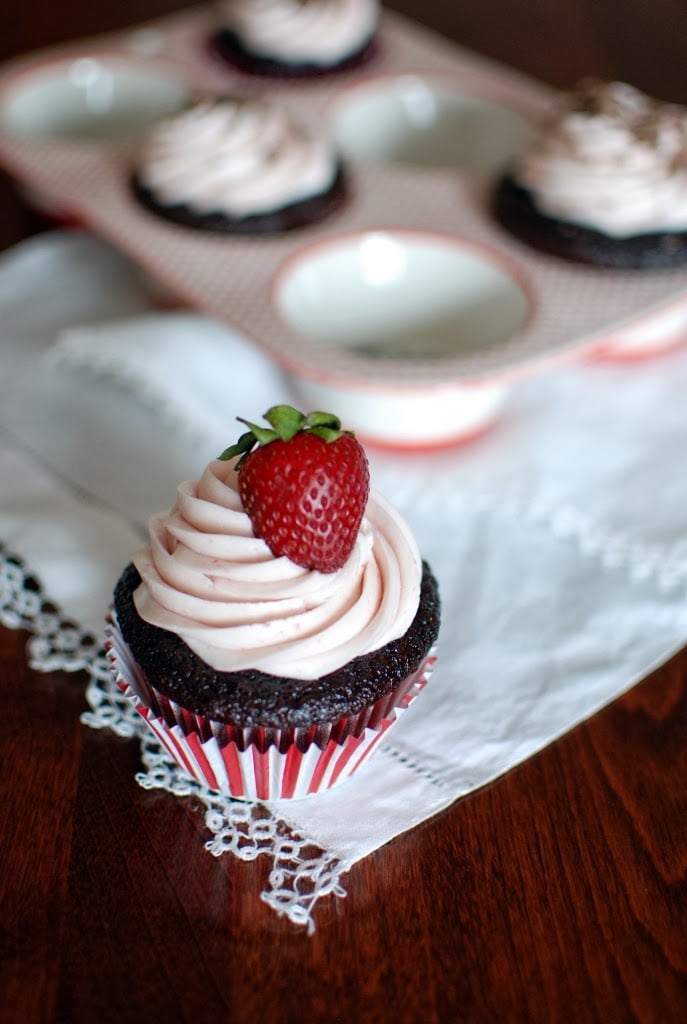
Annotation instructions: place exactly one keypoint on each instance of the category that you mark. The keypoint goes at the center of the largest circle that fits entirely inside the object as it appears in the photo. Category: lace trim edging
(302, 873)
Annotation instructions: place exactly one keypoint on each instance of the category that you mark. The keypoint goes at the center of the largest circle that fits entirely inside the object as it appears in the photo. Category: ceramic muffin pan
(95, 97)
(408, 302)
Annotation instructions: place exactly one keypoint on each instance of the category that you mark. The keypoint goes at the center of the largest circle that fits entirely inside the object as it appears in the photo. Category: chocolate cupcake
(604, 181)
(296, 38)
(238, 166)
(264, 677)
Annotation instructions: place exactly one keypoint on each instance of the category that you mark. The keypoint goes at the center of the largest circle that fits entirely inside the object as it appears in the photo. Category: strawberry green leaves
(285, 422)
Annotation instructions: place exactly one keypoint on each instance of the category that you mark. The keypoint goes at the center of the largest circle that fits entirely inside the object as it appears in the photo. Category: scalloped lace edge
(302, 872)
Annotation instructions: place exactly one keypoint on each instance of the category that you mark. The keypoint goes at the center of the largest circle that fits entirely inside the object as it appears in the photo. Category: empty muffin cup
(383, 325)
(421, 121)
(95, 97)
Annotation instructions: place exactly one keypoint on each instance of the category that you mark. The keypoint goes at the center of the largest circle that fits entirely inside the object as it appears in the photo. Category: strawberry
(304, 487)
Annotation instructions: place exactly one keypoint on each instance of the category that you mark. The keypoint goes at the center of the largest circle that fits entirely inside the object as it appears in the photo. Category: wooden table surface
(558, 893)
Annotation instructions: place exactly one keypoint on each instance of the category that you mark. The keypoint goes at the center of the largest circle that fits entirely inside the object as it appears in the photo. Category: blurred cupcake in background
(296, 38)
(604, 181)
(241, 166)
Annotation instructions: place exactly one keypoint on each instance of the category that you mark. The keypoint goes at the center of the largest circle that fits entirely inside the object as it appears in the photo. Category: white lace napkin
(188, 368)
(559, 541)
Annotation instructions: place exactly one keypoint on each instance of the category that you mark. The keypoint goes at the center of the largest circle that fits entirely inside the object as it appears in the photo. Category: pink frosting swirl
(208, 579)
(612, 159)
(234, 156)
(317, 31)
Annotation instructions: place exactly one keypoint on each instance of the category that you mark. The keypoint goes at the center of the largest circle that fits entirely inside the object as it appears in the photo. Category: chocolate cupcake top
(236, 157)
(612, 159)
(253, 698)
(323, 32)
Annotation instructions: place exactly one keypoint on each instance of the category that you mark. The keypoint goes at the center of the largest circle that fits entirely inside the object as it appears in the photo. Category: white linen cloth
(559, 539)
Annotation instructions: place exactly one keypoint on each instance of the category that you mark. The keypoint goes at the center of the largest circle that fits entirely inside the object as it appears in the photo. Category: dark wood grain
(558, 893)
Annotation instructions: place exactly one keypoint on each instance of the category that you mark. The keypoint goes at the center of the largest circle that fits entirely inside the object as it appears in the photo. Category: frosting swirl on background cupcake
(236, 157)
(208, 579)
(611, 159)
(301, 31)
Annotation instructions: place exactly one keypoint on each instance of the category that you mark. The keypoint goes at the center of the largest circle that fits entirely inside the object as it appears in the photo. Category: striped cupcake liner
(258, 763)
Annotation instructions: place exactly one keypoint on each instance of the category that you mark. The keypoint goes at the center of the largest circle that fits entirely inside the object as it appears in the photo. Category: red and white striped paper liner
(258, 763)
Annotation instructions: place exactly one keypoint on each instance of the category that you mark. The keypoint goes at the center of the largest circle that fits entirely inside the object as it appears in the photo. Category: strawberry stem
(285, 423)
